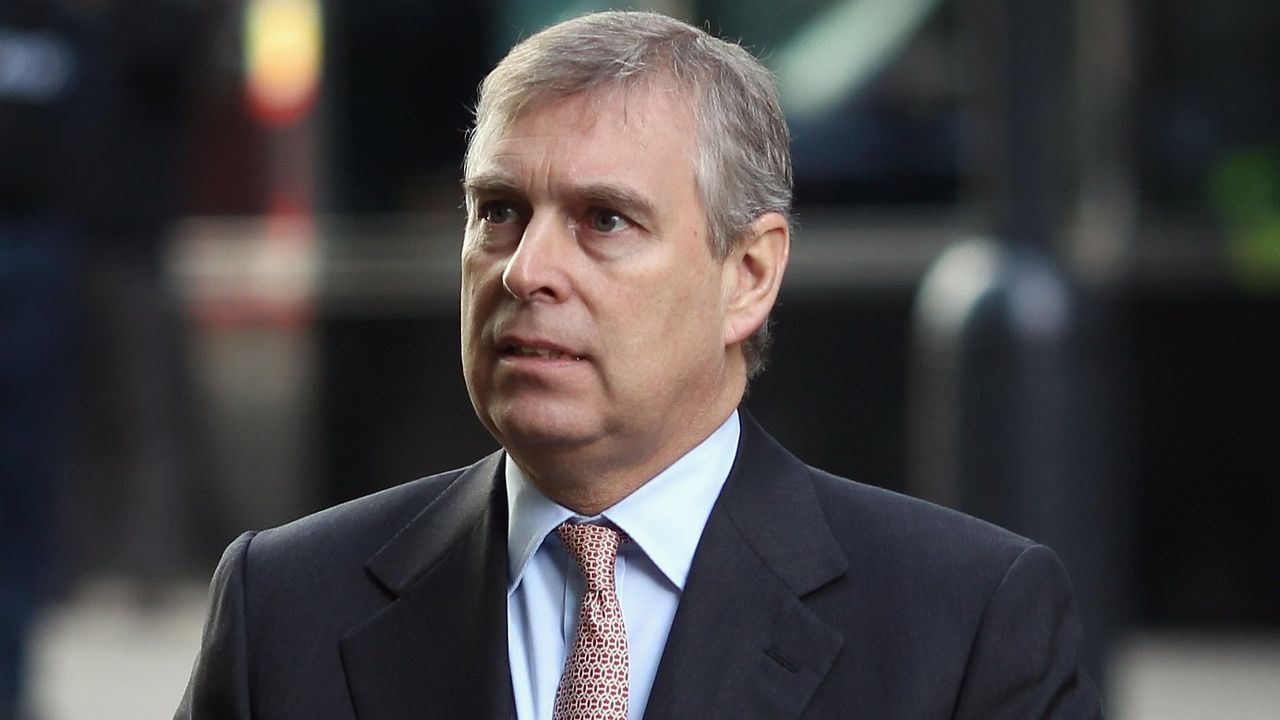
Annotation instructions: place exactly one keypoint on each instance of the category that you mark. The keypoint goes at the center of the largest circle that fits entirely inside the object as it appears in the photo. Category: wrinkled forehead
(624, 101)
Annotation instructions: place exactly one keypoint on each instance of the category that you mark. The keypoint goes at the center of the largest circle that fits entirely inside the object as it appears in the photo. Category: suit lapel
(439, 650)
(743, 643)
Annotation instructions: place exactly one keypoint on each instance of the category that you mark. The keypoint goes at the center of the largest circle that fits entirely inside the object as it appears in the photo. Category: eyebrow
(617, 197)
(605, 194)
(489, 184)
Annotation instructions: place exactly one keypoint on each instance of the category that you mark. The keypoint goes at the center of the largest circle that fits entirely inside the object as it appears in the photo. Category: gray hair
(742, 156)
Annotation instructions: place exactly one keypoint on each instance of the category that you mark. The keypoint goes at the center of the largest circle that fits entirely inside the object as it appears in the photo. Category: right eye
(499, 212)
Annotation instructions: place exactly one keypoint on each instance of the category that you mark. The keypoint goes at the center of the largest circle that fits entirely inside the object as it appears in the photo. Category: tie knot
(595, 548)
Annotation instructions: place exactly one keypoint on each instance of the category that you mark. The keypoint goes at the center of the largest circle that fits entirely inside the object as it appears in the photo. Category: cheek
(692, 294)
(472, 268)
(479, 279)
(670, 322)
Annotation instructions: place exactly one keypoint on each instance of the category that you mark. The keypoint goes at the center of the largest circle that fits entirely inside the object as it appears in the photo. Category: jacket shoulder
(353, 530)
(978, 621)
(905, 525)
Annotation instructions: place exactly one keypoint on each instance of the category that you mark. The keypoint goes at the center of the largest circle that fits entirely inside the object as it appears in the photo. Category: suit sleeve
(1025, 661)
(219, 688)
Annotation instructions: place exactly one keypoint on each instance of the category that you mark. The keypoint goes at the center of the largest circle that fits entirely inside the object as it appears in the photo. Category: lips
(538, 352)
(533, 347)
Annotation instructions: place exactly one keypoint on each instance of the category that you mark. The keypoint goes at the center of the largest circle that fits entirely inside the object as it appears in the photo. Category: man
(627, 189)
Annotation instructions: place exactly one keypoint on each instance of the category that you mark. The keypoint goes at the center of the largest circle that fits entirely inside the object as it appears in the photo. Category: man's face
(593, 314)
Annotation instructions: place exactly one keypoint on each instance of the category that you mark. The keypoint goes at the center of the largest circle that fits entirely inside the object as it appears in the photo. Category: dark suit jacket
(810, 596)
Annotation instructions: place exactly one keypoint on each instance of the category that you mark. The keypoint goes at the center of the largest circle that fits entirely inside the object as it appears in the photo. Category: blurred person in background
(40, 76)
(639, 547)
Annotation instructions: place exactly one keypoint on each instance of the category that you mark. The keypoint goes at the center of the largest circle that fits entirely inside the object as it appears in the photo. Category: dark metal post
(1009, 415)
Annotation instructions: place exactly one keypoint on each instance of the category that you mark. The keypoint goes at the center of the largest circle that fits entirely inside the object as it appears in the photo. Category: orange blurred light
(283, 52)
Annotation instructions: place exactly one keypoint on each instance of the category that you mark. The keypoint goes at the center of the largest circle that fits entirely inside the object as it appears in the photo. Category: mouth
(543, 353)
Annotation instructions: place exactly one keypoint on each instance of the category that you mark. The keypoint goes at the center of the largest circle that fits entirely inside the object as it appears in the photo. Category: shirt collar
(664, 517)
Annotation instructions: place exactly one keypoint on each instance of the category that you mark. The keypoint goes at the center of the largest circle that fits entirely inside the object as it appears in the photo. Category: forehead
(629, 118)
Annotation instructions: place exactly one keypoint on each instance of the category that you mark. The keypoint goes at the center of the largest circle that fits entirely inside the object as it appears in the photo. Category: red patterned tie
(595, 683)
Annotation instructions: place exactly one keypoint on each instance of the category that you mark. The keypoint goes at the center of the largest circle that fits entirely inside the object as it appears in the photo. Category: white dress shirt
(664, 519)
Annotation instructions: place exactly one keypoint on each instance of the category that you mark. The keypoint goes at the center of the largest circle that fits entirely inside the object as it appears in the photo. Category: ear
(753, 274)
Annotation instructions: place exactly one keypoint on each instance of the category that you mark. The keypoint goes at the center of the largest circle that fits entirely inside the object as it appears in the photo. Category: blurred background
(1036, 277)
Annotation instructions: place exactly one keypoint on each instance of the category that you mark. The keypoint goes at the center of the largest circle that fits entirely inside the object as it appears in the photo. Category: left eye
(608, 221)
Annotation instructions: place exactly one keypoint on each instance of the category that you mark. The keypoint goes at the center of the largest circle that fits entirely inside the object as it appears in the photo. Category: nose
(537, 270)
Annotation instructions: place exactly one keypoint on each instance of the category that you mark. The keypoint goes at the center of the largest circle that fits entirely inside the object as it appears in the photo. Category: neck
(592, 478)
(589, 485)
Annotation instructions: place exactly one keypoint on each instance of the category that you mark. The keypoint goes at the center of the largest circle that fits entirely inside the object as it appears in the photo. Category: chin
(517, 427)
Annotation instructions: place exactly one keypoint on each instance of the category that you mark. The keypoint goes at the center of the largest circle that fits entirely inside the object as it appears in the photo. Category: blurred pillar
(1010, 415)
(251, 287)
(255, 371)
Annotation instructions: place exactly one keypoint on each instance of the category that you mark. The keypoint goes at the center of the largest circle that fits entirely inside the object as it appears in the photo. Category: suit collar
(744, 644)
(417, 547)
(420, 656)
(771, 500)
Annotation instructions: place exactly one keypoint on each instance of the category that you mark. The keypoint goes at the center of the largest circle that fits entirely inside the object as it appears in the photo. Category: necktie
(595, 683)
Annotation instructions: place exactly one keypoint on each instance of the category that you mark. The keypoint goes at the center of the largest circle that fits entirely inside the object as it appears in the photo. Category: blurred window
(1208, 92)
(1208, 130)
(871, 90)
